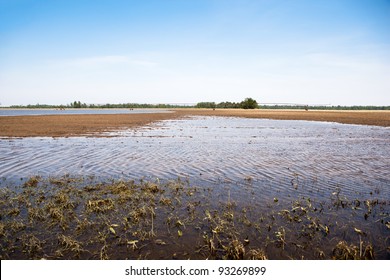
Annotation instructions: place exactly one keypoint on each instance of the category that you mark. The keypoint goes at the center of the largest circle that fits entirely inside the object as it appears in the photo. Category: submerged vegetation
(84, 218)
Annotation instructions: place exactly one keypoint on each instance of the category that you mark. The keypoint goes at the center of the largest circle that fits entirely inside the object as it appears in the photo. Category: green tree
(78, 104)
(249, 103)
(206, 105)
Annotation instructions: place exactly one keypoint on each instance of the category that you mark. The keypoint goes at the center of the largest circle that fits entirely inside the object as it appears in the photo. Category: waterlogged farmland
(200, 187)
(40, 112)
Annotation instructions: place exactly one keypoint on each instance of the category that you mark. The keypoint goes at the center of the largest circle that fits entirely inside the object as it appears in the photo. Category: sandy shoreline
(81, 125)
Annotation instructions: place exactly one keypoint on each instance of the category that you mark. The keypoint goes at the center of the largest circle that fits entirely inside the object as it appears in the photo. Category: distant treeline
(246, 104)
(129, 105)
(238, 105)
(78, 104)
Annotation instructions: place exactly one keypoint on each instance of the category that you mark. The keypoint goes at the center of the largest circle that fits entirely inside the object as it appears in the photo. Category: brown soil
(378, 118)
(76, 125)
(73, 125)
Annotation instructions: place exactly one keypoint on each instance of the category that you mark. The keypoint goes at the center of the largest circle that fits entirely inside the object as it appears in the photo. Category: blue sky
(185, 51)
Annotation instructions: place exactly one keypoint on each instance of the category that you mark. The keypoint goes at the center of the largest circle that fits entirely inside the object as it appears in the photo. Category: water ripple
(279, 156)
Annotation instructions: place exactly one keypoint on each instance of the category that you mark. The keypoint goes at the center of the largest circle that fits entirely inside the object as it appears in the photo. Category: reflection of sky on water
(277, 155)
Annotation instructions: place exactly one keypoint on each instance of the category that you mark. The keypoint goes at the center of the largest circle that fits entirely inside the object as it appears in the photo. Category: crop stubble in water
(119, 219)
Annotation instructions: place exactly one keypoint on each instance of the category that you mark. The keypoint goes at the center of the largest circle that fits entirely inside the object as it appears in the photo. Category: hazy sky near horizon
(185, 51)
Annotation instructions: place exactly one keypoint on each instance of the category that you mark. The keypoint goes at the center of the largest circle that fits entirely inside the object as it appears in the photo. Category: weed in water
(256, 254)
(234, 250)
(69, 244)
(100, 205)
(343, 251)
(32, 182)
(32, 246)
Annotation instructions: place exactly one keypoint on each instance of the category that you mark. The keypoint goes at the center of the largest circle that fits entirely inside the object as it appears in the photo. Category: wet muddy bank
(74, 125)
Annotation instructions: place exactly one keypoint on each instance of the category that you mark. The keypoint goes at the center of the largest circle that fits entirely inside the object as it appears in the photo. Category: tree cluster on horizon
(248, 103)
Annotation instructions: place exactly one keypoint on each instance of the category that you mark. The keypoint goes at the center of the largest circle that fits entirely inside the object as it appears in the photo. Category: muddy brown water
(264, 166)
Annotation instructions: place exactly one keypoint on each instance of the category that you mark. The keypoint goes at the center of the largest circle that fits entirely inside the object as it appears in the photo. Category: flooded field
(40, 112)
(247, 188)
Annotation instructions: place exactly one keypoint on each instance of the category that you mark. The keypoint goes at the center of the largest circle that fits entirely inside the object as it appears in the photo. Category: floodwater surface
(36, 112)
(268, 167)
(215, 150)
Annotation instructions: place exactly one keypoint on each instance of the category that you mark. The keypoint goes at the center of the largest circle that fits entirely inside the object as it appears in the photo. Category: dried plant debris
(84, 218)
(343, 251)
